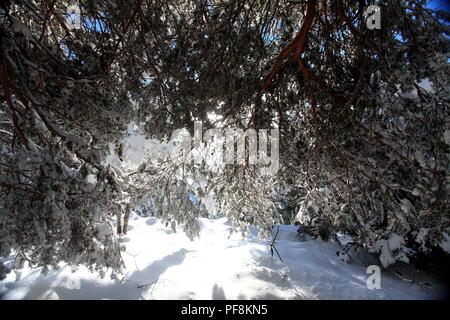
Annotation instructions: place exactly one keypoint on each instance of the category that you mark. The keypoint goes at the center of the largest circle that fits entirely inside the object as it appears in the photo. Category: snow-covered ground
(161, 264)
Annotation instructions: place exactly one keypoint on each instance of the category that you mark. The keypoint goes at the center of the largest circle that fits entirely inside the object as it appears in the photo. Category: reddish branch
(296, 47)
(47, 18)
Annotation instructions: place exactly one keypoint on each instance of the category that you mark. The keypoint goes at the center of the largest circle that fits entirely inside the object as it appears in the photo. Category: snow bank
(161, 264)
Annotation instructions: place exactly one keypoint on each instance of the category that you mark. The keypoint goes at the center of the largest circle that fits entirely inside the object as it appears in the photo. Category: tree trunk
(126, 217)
(119, 223)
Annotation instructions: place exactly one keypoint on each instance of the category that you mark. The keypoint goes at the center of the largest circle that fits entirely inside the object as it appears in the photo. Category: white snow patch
(445, 245)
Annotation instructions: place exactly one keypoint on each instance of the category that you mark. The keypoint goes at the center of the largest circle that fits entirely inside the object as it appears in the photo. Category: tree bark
(126, 218)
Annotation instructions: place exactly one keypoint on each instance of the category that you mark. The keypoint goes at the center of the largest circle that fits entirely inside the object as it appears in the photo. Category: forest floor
(162, 264)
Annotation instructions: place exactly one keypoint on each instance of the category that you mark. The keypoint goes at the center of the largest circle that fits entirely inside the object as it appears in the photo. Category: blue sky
(440, 4)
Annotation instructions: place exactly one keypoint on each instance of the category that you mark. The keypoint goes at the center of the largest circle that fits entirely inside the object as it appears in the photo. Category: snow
(445, 245)
(162, 264)
(447, 137)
